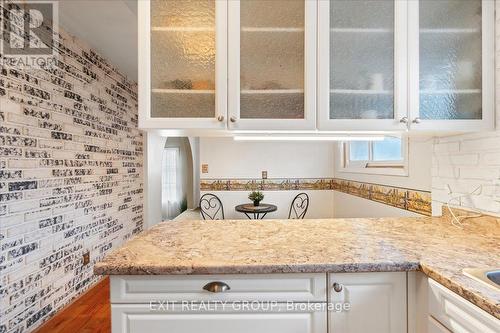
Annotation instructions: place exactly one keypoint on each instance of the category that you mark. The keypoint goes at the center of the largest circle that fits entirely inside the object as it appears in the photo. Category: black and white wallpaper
(70, 179)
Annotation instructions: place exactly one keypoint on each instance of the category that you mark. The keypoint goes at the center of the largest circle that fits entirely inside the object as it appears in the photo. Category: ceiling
(108, 26)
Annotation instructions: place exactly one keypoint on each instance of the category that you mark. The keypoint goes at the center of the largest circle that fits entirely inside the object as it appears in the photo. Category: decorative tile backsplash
(408, 199)
(271, 184)
(70, 179)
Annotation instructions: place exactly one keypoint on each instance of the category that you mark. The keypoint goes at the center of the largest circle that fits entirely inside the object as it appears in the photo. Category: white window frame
(391, 168)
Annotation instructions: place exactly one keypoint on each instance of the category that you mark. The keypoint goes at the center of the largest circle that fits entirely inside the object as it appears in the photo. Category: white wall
(419, 178)
(152, 182)
(229, 159)
(347, 205)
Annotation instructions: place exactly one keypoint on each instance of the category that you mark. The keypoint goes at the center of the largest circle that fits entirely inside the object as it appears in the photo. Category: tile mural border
(413, 200)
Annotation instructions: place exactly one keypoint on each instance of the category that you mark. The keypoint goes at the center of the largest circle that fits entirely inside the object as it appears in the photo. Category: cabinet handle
(404, 120)
(220, 118)
(232, 119)
(417, 120)
(337, 287)
(216, 287)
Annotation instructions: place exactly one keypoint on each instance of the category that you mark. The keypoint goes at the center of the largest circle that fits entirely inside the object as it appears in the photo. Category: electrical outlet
(264, 174)
(204, 168)
(86, 258)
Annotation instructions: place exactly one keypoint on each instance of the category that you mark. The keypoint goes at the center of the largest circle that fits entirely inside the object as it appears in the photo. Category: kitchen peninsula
(401, 262)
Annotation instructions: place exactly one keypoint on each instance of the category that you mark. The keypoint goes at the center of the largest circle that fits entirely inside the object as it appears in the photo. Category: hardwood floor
(91, 313)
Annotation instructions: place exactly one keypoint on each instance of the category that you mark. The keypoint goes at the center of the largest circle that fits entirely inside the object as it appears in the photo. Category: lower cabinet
(377, 302)
(448, 312)
(264, 303)
(259, 317)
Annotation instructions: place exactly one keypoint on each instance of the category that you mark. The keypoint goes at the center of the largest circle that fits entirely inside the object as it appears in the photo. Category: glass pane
(272, 13)
(272, 59)
(360, 106)
(387, 150)
(272, 106)
(183, 58)
(359, 151)
(450, 59)
(361, 59)
(185, 13)
(173, 105)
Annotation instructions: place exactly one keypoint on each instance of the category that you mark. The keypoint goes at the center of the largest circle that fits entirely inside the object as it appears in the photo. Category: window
(169, 179)
(388, 156)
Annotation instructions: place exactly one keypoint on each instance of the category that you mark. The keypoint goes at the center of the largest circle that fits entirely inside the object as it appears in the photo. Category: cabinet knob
(404, 120)
(337, 287)
(417, 120)
(232, 119)
(216, 287)
(220, 118)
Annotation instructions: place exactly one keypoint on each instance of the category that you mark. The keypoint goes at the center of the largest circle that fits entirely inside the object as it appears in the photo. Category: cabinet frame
(144, 78)
(310, 50)
(487, 74)
(400, 76)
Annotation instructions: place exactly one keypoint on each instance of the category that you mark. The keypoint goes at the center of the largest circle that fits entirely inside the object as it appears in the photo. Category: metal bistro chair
(298, 208)
(211, 207)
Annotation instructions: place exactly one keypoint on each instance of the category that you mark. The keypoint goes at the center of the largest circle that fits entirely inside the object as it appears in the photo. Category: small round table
(249, 208)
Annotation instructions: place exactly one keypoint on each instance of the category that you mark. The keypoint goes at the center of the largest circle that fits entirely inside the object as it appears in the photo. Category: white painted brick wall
(471, 165)
(70, 180)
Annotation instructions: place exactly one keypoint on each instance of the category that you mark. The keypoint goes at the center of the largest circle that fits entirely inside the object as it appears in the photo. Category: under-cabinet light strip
(307, 138)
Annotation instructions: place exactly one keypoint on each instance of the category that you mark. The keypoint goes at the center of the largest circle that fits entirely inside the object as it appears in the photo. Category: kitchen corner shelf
(361, 92)
(183, 29)
(271, 29)
(272, 91)
(182, 91)
(450, 91)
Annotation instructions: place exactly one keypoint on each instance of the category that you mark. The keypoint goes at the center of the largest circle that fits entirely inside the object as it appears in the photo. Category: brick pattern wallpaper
(70, 179)
(469, 165)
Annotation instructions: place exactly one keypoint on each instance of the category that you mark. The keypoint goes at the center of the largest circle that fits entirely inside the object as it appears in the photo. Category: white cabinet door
(451, 61)
(362, 65)
(272, 64)
(377, 302)
(182, 64)
(457, 314)
(138, 318)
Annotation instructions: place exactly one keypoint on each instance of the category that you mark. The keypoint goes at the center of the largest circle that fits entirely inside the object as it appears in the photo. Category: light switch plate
(204, 168)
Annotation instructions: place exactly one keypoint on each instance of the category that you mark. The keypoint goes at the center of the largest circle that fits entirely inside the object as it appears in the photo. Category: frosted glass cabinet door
(272, 51)
(362, 60)
(182, 63)
(451, 52)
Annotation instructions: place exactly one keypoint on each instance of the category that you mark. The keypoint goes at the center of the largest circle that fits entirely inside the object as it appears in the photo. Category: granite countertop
(431, 245)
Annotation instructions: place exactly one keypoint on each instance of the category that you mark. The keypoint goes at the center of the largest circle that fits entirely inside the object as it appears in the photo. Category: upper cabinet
(451, 58)
(362, 65)
(365, 65)
(272, 64)
(182, 64)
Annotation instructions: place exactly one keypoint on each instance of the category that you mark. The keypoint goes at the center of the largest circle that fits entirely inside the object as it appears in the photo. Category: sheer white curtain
(171, 186)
